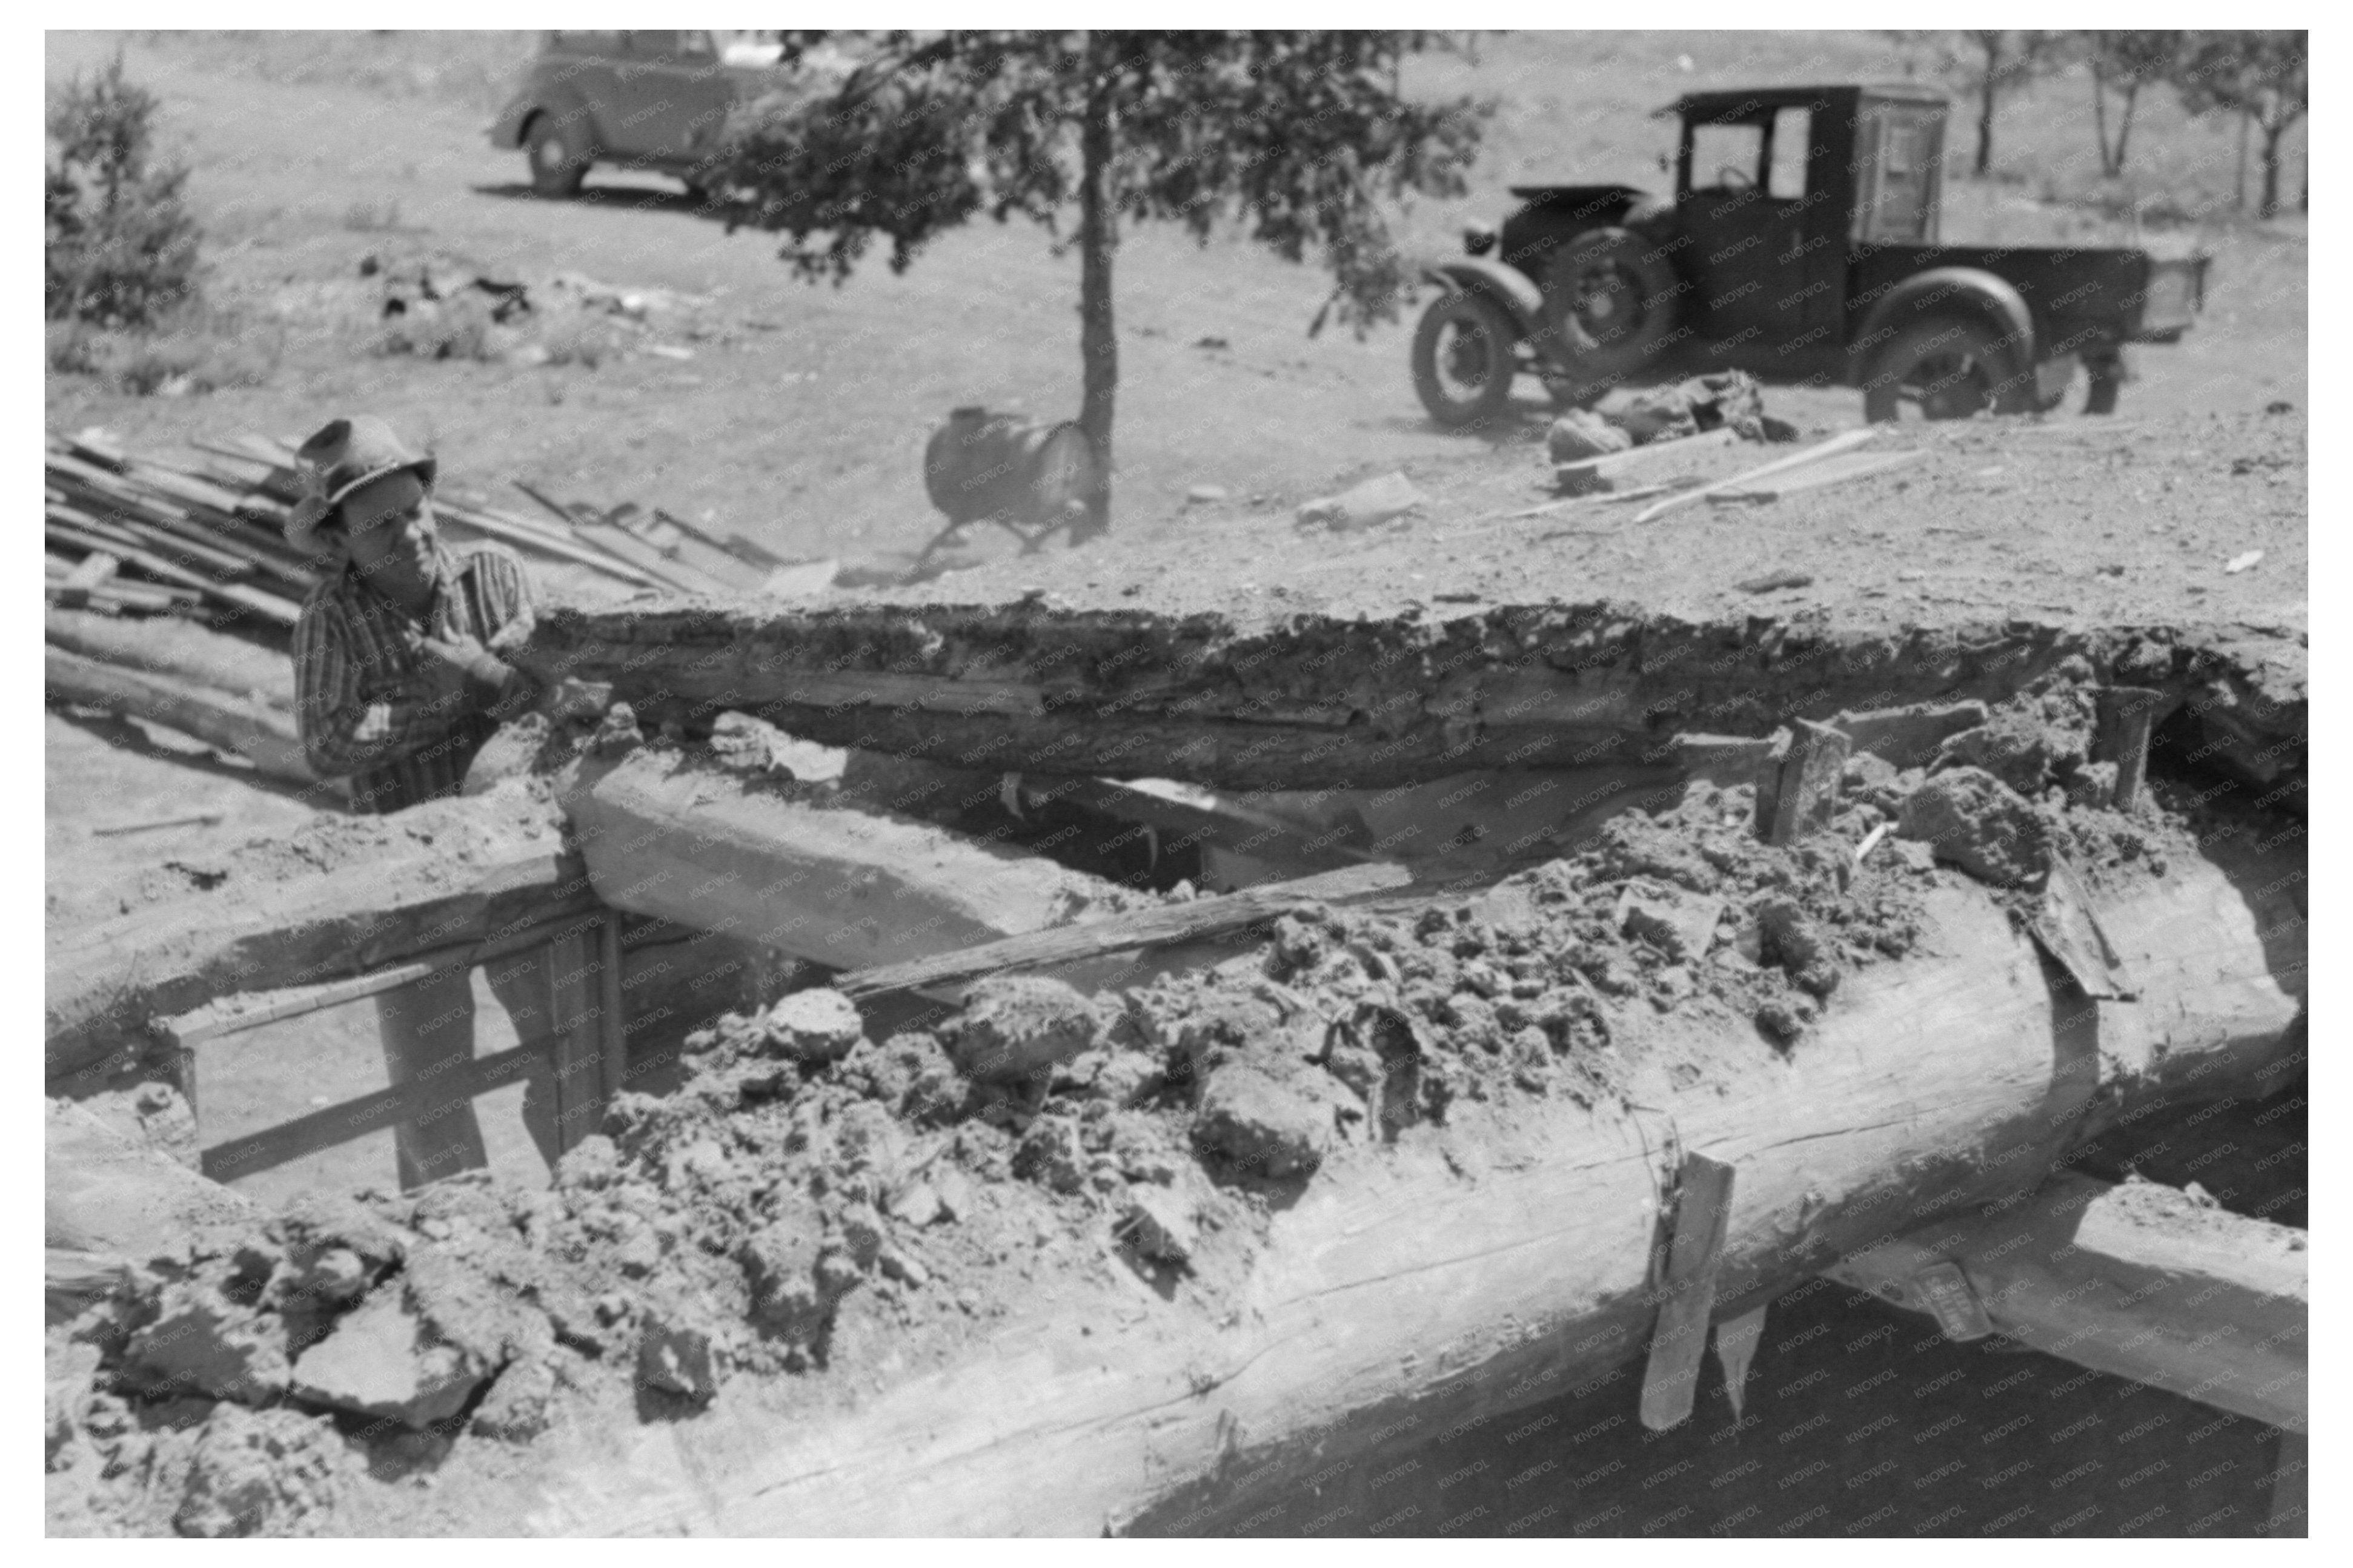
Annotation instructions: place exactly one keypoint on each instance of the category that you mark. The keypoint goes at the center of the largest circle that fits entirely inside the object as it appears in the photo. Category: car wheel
(1940, 369)
(1610, 304)
(1463, 359)
(558, 167)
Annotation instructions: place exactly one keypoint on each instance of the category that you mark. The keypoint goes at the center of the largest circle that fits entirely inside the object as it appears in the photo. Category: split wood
(1836, 444)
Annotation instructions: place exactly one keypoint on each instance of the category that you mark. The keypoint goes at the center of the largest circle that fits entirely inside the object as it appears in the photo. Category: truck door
(1768, 285)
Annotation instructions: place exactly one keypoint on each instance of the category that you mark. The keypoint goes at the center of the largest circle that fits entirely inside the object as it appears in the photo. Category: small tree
(2123, 63)
(2262, 76)
(1298, 133)
(122, 249)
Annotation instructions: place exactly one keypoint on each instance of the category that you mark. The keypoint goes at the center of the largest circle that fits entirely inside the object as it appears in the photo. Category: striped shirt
(359, 702)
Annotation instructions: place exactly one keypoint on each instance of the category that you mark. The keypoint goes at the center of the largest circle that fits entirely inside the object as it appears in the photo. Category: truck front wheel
(1463, 359)
(1940, 369)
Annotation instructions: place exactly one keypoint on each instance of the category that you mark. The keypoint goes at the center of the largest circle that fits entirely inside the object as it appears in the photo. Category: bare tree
(1995, 63)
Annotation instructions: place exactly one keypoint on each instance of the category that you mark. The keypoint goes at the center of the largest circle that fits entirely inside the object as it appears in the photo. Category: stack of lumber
(204, 537)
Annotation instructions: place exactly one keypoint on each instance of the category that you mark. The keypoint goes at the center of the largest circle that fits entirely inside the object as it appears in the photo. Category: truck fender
(1506, 286)
(1961, 290)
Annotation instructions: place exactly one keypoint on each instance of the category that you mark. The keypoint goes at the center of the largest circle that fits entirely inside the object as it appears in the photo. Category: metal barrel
(982, 465)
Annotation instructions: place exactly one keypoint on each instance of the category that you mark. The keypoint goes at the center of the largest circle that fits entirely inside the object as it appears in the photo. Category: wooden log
(1309, 700)
(486, 866)
(1469, 1269)
(182, 651)
(263, 735)
(1797, 793)
(801, 868)
(2136, 1280)
(1161, 927)
(2127, 716)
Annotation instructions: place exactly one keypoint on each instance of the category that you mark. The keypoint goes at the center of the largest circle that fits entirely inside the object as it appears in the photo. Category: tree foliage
(120, 246)
(2260, 75)
(1296, 137)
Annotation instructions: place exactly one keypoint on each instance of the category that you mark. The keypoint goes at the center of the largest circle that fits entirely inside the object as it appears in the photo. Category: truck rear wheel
(1610, 303)
(557, 167)
(1946, 368)
(1463, 359)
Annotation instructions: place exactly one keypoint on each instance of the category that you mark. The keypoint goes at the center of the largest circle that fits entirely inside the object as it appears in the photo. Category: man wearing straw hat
(395, 689)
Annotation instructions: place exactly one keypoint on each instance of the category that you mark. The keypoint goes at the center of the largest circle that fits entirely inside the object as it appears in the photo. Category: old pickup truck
(1800, 245)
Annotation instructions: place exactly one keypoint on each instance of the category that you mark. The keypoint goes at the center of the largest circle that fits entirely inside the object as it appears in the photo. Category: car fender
(1506, 286)
(506, 131)
(1961, 290)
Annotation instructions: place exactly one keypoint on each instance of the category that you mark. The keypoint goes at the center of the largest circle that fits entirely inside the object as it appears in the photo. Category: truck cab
(1801, 243)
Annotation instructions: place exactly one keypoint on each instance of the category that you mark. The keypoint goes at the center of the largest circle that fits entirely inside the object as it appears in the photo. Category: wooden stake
(1799, 792)
(1704, 1202)
(338, 1124)
(1736, 1349)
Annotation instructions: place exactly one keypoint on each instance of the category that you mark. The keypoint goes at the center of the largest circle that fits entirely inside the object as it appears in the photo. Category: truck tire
(1946, 367)
(558, 167)
(1463, 359)
(1610, 303)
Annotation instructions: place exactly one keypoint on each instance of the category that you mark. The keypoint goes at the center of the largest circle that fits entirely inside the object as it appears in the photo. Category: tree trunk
(1469, 1269)
(2100, 115)
(2124, 125)
(2272, 134)
(1098, 335)
(1988, 90)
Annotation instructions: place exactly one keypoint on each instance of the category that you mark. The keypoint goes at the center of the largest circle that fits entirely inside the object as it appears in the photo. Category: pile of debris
(440, 307)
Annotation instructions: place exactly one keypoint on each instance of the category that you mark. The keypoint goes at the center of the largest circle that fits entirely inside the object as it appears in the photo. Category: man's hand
(462, 665)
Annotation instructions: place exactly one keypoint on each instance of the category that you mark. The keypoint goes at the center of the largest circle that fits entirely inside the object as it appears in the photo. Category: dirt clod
(1971, 819)
(257, 1472)
(1016, 1026)
(1259, 1123)
(817, 1025)
(195, 1341)
(381, 1361)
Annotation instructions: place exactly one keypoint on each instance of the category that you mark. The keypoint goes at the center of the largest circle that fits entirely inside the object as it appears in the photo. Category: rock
(860, 1232)
(1973, 820)
(815, 1026)
(1783, 1020)
(380, 1360)
(918, 1205)
(1052, 1155)
(1681, 927)
(897, 1263)
(789, 1302)
(515, 1409)
(69, 1380)
(1633, 844)
(1366, 505)
(1017, 1026)
(674, 1357)
(1792, 940)
(198, 1343)
(1580, 434)
(1205, 495)
(2093, 788)
(954, 1189)
(1158, 1224)
(1260, 1123)
(257, 1472)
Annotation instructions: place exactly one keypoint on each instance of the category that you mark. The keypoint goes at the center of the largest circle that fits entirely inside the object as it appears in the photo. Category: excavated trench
(1293, 1241)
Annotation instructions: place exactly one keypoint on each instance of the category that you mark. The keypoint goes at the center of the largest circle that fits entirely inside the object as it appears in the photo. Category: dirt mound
(814, 1206)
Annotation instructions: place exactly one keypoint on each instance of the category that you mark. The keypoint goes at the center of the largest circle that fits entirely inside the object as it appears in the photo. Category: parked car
(1800, 245)
(654, 101)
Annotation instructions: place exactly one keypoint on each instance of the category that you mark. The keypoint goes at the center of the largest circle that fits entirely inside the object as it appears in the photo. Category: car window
(1715, 148)
(653, 45)
(605, 43)
(1792, 130)
(694, 45)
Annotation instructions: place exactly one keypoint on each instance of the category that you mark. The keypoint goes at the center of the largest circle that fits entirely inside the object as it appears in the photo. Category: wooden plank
(504, 529)
(1702, 1207)
(613, 1048)
(2136, 1280)
(1120, 934)
(356, 1117)
(1737, 1339)
(2064, 927)
(1609, 464)
(1800, 796)
(270, 606)
(262, 736)
(1835, 471)
(1814, 454)
(576, 1048)
(2125, 716)
(246, 1010)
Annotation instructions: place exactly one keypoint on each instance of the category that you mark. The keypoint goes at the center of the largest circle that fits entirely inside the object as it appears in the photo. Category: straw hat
(344, 455)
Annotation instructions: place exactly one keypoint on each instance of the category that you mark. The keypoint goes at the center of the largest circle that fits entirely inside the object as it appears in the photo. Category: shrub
(122, 249)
